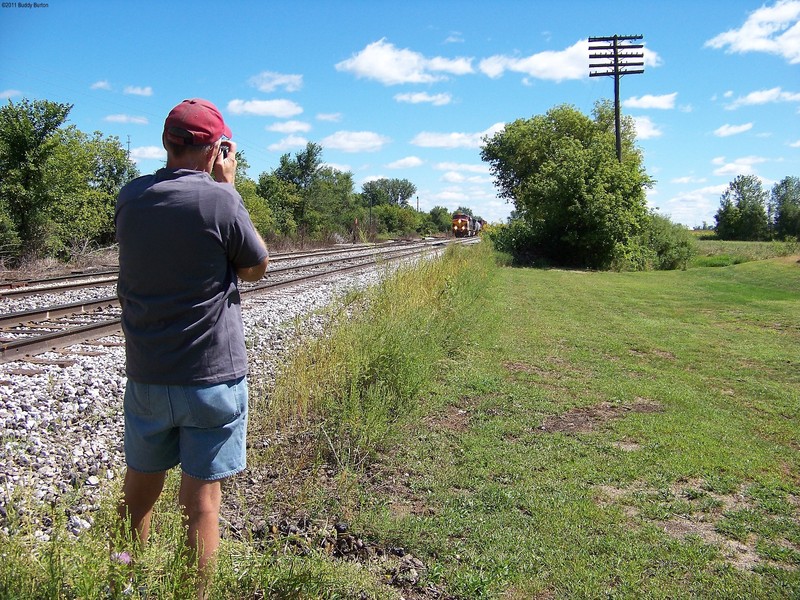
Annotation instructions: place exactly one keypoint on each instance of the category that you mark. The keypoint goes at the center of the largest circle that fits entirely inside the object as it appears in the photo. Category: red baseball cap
(195, 122)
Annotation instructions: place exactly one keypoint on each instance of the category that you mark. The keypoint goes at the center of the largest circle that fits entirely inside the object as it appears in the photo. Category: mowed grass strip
(617, 435)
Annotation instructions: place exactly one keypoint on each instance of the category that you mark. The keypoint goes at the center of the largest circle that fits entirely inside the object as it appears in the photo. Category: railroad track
(49, 328)
(23, 288)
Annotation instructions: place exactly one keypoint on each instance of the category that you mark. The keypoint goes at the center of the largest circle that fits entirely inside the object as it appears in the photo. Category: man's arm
(253, 273)
(256, 272)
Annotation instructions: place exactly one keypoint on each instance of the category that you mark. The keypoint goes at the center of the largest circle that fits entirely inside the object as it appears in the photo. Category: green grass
(526, 434)
(720, 253)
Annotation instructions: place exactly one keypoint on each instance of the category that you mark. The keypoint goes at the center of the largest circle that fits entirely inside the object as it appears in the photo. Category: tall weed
(382, 351)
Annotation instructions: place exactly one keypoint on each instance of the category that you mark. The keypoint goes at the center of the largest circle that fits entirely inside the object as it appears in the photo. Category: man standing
(184, 238)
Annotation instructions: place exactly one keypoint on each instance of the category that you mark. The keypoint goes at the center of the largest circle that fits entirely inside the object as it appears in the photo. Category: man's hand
(225, 168)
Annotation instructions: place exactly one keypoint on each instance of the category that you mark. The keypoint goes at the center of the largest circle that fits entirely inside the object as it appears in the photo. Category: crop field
(489, 432)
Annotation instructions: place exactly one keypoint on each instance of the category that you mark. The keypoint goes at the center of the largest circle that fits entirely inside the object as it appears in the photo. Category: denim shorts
(202, 428)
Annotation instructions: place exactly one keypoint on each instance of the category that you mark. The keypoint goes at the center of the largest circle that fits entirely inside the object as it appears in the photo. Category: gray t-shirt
(181, 238)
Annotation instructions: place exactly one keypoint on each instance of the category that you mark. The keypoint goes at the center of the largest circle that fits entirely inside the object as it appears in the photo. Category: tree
(26, 142)
(441, 218)
(580, 204)
(283, 199)
(258, 208)
(388, 191)
(302, 172)
(335, 202)
(83, 176)
(742, 214)
(302, 169)
(785, 203)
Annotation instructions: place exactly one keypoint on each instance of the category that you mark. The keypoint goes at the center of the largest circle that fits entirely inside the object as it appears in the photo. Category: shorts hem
(215, 477)
(150, 471)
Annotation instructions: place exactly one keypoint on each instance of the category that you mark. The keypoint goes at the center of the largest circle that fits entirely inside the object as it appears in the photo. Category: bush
(516, 240)
(672, 245)
(663, 245)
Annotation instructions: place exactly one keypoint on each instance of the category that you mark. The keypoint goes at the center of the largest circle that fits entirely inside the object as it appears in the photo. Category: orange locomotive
(465, 225)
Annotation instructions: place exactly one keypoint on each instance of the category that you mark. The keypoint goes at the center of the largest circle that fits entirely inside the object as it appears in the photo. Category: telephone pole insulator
(618, 55)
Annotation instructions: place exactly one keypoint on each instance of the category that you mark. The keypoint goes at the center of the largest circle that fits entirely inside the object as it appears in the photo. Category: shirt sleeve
(244, 244)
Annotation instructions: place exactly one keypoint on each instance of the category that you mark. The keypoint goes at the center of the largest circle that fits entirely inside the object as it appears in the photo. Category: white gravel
(61, 427)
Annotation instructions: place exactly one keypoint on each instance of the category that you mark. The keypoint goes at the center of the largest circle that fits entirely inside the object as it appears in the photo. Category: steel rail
(36, 287)
(24, 347)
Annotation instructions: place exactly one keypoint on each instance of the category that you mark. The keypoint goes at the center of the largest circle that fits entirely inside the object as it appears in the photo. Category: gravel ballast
(61, 425)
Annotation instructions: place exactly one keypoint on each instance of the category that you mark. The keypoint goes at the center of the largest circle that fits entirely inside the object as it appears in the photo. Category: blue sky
(407, 89)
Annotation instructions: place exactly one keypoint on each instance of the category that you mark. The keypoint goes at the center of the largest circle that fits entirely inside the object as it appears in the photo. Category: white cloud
(138, 91)
(450, 195)
(355, 141)
(405, 163)
(455, 37)
(126, 119)
(281, 109)
(457, 177)
(338, 167)
(453, 177)
(428, 139)
(420, 97)
(369, 178)
(329, 117)
(773, 29)
(290, 127)
(651, 58)
(795, 144)
(269, 81)
(101, 85)
(688, 179)
(454, 66)
(570, 63)
(664, 102)
(383, 62)
(739, 166)
(451, 166)
(8, 94)
(148, 153)
(646, 129)
(758, 97)
(290, 141)
(729, 130)
(694, 206)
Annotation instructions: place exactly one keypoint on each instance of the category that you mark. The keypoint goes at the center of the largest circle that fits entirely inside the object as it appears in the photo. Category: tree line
(748, 212)
(58, 189)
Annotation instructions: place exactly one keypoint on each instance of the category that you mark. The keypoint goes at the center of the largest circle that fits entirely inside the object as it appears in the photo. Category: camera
(224, 148)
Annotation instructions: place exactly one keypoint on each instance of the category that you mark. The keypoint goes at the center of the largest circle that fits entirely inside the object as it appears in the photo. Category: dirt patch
(272, 506)
(586, 419)
(663, 354)
(705, 511)
(542, 371)
(627, 446)
(740, 555)
(453, 419)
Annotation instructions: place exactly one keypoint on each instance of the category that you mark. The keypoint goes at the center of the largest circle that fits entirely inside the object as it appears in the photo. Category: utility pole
(618, 60)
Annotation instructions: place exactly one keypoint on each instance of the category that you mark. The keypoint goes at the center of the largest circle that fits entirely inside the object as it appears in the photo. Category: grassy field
(523, 434)
(630, 435)
(721, 253)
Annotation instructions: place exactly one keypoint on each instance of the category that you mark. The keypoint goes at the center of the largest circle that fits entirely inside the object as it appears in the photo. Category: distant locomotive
(465, 225)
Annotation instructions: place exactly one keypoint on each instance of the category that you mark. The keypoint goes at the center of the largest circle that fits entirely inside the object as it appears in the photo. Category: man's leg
(201, 500)
(139, 495)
